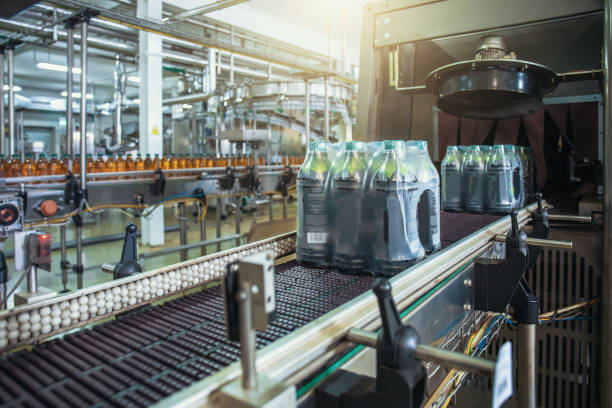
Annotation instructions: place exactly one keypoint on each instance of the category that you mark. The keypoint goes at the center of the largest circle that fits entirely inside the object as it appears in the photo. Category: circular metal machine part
(9, 214)
(491, 88)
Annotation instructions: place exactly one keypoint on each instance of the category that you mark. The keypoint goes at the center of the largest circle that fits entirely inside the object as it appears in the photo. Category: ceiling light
(186, 106)
(16, 88)
(136, 101)
(134, 78)
(77, 95)
(56, 67)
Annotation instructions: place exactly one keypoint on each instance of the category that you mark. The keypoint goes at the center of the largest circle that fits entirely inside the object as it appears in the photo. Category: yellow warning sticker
(155, 131)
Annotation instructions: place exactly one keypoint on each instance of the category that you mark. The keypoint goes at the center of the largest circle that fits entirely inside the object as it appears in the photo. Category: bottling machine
(224, 330)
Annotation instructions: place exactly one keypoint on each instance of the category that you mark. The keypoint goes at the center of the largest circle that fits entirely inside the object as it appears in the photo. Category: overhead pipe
(207, 8)
(11, 97)
(70, 65)
(192, 98)
(118, 99)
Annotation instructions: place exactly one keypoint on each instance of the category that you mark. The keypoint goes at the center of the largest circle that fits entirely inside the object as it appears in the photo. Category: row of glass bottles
(367, 207)
(42, 167)
(494, 179)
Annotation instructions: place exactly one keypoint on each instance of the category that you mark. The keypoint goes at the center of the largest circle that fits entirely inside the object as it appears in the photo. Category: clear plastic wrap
(345, 204)
(428, 209)
(500, 186)
(450, 170)
(312, 245)
(390, 227)
(473, 180)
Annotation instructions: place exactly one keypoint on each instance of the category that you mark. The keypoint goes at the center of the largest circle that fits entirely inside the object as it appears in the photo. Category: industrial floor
(113, 222)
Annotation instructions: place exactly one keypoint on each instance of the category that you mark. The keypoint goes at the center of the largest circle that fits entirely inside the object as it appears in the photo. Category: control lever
(129, 255)
(400, 375)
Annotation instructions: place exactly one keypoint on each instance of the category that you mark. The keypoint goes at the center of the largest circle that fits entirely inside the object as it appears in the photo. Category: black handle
(388, 312)
(130, 245)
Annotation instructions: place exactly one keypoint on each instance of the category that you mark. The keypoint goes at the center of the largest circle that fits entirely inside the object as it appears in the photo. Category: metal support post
(527, 365)
(183, 229)
(238, 219)
(64, 260)
(247, 338)
(203, 250)
(218, 220)
(270, 207)
(79, 268)
(70, 65)
(11, 100)
(307, 109)
(32, 279)
(284, 207)
(83, 129)
(2, 124)
(606, 288)
(325, 83)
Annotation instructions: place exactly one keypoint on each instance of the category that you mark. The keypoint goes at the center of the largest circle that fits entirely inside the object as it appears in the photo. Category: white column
(150, 118)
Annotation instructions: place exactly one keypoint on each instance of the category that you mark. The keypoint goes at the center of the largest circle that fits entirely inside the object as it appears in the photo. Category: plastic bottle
(261, 160)
(195, 162)
(500, 186)
(312, 245)
(210, 161)
(517, 176)
(130, 165)
(55, 166)
(28, 168)
(390, 233)
(42, 166)
(99, 165)
(451, 180)
(473, 181)
(156, 162)
(428, 208)
(345, 197)
(525, 154)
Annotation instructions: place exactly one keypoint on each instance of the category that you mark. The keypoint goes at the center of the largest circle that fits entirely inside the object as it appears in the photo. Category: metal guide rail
(307, 350)
(304, 347)
(28, 324)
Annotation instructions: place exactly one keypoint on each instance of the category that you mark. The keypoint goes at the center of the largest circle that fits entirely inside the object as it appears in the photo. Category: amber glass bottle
(182, 161)
(261, 161)
(148, 162)
(164, 163)
(100, 163)
(210, 161)
(76, 165)
(14, 167)
(42, 166)
(173, 162)
(28, 168)
(3, 164)
(120, 165)
(110, 167)
(55, 166)
(65, 164)
(156, 162)
(90, 164)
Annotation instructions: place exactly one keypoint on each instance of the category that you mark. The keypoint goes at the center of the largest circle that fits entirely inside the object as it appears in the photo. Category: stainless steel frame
(318, 342)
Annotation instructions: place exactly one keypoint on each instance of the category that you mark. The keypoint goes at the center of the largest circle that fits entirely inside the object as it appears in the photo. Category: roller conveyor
(146, 356)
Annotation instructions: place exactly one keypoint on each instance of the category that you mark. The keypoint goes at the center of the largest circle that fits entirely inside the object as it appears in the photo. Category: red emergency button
(48, 208)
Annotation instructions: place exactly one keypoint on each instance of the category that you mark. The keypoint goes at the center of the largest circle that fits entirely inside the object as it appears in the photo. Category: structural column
(150, 118)
(606, 290)
(2, 124)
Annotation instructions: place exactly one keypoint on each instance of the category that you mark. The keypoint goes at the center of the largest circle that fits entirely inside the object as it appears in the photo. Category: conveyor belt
(143, 357)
